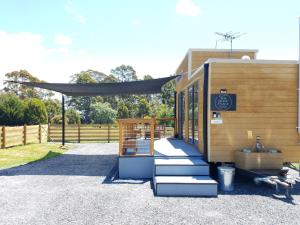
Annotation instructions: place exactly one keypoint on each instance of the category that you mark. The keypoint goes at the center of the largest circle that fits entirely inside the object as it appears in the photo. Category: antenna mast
(228, 36)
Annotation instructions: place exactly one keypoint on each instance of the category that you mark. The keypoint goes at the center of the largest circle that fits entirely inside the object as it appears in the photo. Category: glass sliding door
(195, 123)
(193, 114)
(181, 115)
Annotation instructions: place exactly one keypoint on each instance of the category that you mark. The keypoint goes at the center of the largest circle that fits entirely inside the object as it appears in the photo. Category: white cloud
(136, 22)
(81, 18)
(72, 11)
(26, 51)
(61, 39)
(187, 8)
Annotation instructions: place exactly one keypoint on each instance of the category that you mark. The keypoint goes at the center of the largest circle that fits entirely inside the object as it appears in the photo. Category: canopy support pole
(175, 106)
(63, 120)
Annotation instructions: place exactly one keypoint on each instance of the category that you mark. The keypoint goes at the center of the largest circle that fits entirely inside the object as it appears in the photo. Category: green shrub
(35, 112)
(58, 120)
(11, 110)
(102, 113)
(73, 116)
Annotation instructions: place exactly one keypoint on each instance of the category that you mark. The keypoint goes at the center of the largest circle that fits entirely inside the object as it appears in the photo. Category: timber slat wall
(266, 107)
(19, 135)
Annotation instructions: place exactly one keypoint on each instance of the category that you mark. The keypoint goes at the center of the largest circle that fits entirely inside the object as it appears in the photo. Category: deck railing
(136, 136)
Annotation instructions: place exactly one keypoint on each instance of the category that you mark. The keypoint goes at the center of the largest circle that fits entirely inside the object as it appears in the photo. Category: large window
(181, 115)
(193, 113)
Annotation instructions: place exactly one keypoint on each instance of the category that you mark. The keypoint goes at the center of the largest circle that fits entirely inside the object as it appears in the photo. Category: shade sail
(122, 88)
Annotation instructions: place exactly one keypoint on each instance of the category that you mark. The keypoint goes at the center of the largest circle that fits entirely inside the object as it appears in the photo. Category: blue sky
(55, 39)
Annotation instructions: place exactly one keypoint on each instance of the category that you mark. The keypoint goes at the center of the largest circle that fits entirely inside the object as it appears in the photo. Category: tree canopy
(38, 104)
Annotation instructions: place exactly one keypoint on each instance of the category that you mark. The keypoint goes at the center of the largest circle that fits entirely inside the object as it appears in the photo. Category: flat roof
(214, 50)
(221, 50)
(257, 61)
(245, 61)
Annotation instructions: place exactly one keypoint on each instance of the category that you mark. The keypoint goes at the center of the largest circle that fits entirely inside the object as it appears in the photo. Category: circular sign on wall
(223, 102)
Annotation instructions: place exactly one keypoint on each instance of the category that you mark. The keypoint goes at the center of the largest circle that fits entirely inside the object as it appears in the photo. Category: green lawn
(20, 155)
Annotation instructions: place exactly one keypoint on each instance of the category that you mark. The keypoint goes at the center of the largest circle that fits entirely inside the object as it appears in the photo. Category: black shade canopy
(132, 87)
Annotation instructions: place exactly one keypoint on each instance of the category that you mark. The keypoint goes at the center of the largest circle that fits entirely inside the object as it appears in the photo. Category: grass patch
(24, 154)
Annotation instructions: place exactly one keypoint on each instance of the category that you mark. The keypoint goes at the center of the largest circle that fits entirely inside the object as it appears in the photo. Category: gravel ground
(79, 188)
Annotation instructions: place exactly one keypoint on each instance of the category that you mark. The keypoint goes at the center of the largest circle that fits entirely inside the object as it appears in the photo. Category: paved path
(78, 188)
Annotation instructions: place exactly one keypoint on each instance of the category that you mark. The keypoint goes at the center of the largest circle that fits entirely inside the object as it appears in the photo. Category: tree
(73, 116)
(83, 104)
(11, 110)
(24, 91)
(35, 112)
(148, 77)
(112, 100)
(98, 76)
(58, 120)
(167, 95)
(143, 108)
(110, 79)
(53, 107)
(102, 113)
(124, 73)
(123, 111)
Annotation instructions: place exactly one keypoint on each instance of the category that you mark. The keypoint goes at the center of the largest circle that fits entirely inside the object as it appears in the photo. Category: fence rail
(97, 132)
(22, 135)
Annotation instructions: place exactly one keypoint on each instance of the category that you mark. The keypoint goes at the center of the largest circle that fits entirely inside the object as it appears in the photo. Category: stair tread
(184, 180)
(180, 162)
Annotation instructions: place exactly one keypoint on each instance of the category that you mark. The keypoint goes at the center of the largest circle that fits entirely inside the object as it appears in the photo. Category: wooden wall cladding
(266, 107)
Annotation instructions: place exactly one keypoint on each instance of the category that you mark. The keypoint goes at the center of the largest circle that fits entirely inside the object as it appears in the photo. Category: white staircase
(183, 176)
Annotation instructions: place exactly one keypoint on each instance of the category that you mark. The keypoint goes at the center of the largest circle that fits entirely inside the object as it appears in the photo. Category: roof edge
(222, 50)
(249, 61)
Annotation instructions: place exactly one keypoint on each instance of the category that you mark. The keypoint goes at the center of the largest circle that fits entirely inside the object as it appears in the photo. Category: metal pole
(175, 106)
(63, 119)
(175, 98)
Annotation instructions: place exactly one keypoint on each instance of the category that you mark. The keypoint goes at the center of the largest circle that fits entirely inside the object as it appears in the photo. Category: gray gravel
(79, 188)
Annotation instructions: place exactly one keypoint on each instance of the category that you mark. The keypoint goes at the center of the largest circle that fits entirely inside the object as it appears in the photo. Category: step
(178, 166)
(185, 186)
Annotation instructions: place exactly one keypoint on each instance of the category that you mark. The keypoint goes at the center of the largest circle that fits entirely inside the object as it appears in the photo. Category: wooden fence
(22, 135)
(84, 132)
(94, 132)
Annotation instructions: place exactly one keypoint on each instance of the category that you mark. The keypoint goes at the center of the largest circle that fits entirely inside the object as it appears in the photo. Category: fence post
(108, 133)
(40, 133)
(152, 136)
(49, 132)
(78, 133)
(25, 135)
(120, 138)
(3, 137)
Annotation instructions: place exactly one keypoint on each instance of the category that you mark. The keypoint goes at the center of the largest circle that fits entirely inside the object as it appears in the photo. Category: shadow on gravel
(113, 178)
(245, 186)
(66, 165)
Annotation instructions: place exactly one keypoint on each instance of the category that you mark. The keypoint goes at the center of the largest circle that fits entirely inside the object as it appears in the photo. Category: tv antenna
(228, 36)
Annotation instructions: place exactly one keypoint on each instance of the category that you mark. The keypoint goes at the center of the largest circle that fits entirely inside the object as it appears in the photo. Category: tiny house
(226, 98)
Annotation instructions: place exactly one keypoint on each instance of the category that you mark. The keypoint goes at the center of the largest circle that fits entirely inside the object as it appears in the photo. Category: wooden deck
(172, 147)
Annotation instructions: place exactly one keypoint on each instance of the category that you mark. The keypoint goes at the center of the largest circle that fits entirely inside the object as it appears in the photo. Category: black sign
(223, 102)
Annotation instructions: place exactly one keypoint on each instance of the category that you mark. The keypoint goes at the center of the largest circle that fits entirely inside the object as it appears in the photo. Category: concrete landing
(170, 147)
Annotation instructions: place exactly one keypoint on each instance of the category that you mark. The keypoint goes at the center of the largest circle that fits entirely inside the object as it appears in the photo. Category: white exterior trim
(222, 50)
(251, 61)
(197, 70)
(190, 60)
(186, 55)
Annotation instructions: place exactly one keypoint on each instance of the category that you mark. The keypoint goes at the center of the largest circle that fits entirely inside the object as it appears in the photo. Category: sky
(54, 39)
